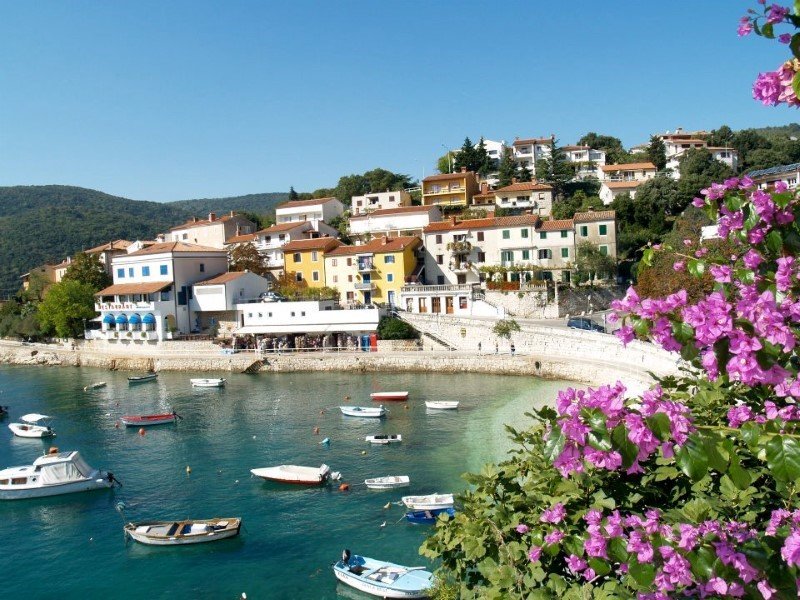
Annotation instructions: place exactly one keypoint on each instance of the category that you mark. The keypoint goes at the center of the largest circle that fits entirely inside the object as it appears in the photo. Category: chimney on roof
(484, 187)
(453, 219)
(385, 240)
(463, 169)
(513, 180)
(212, 217)
(238, 229)
(194, 219)
(233, 214)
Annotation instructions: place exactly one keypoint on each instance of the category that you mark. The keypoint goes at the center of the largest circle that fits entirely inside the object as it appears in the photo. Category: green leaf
(601, 567)
(783, 458)
(659, 423)
(618, 550)
(647, 257)
(641, 327)
(692, 459)
(774, 239)
(750, 433)
(794, 45)
(643, 574)
(555, 444)
(627, 449)
(696, 267)
(598, 435)
(739, 476)
(702, 561)
(767, 30)
(716, 454)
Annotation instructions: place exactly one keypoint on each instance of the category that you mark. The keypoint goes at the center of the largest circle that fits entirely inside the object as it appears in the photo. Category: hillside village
(458, 243)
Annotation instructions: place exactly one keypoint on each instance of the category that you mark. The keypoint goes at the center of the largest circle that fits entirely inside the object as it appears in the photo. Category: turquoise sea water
(72, 546)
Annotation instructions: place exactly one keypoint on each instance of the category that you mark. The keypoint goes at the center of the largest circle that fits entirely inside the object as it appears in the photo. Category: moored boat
(429, 502)
(387, 483)
(94, 386)
(142, 378)
(381, 396)
(364, 411)
(381, 578)
(33, 425)
(3, 412)
(428, 517)
(294, 474)
(208, 382)
(146, 420)
(441, 404)
(384, 439)
(52, 475)
(181, 533)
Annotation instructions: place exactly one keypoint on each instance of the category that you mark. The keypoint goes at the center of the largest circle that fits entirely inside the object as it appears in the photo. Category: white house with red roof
(587, 161)
(529, 195)
(106, 252)
(529, 151)
(152, 291)
(393, 222)
(361, 205)
(215, 300)
(213, 232)
(624, 179)
(314, 211)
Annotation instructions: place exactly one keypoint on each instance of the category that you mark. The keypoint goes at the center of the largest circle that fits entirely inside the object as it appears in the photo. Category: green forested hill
(261, 204)
(45, 224)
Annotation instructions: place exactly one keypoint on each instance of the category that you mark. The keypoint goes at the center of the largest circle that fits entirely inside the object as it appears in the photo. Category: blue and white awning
(108, 319)
(121, 319)
(134, 319)
(149, 319)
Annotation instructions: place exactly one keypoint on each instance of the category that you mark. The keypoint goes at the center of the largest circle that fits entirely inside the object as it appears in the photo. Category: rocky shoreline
(587, 370)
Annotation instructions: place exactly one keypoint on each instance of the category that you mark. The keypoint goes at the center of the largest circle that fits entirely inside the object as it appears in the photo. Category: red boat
(145, 420)
(383, 396)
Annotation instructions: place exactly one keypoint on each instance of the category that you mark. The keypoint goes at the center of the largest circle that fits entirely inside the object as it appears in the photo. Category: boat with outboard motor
(429, 502)
(384, 438)
(428, 517)
(388, 482)
(142, 378)
(364, 411)
(381, 578)
(296, 474)
(33, 425)
(181, 533)
(441, 404)
(208, 383)
(53, 474)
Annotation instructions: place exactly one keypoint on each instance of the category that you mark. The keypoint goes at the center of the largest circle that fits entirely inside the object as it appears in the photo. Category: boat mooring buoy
(326, 441)
(363, 452)
(188, 469)
(345, 487)
(316, 430)
(322, 412)
(142, 431)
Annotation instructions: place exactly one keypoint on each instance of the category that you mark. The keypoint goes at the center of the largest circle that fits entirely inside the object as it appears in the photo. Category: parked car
(584, 323)
(271, 297)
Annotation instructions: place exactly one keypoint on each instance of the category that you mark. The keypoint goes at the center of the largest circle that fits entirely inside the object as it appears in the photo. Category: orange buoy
(53, 450)
(322, 412)
(116, 425)
(347, 397)
(345, 487)
(316, 430)
(405, 407)
(142, 431)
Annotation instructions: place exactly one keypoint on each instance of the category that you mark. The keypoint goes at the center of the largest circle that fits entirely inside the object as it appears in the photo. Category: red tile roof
(486, 223)
(575, 148)
(556, 225)
(326, 244)
(629, 167)
(595, 215)
(174, 247)
(222, 278)
(115, 245)
(446, 176)
(203, 222)
(240, 239)
(150, 287)
(378, 245)
(526, 186)
(400, 210)
(621, 185)
(312, 202)
(524, 142)
(281, 227)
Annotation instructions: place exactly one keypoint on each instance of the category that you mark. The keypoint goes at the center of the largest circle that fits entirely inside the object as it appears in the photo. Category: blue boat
(383, 579)
(428, 517)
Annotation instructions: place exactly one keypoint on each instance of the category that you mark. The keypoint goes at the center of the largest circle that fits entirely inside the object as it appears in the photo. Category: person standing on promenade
(512, 348)
(496, 347)
(479, 347)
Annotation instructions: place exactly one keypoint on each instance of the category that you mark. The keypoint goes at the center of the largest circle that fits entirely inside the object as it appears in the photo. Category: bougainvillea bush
(690, 489)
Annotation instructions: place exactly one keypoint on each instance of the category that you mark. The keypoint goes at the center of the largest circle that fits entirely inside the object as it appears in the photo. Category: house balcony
(447, 190)
(460, 248)
(364, 286)
(460, 267)
(366, 265)
(431, 289)
(100, 306)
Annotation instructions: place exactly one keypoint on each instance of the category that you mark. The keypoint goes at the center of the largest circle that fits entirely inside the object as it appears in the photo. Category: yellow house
(372, 272)
(450, 189)
(304, 262)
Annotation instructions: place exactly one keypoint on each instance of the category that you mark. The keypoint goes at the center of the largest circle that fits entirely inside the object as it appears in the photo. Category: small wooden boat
(429, 502)
(428, 517)
(146, 420)
(384, 439)
(208, 383)
(53, 474)
(387, 483)
(294, 474)
(181, 533)
(381, 396)
(363, 411)
(441, 404)
(381, 578)
(133, 379)
(94, 386)
(33, 425)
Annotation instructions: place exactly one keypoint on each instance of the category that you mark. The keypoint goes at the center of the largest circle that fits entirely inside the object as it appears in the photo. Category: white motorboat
(294, 474)
(429, 502)
(381, 578)
(33, 425)
(387, 483)
(441, 404)
(384, 439)
(364, 411)
(217, 383)
(94, 386)
(181, 533)
(52, 475)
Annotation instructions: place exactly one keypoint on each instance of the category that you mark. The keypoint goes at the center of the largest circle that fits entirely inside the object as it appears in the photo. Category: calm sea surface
(72, 546)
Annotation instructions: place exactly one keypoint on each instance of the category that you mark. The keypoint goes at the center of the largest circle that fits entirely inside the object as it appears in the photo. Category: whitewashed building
(393, 222)
(624, 179)
(151, 295)
(362, 205)
(213, 232)
(527, 152)
(214, 302)
(106, 252)
(529, 196)
(587, 161)
(315, 211)
(766, 178)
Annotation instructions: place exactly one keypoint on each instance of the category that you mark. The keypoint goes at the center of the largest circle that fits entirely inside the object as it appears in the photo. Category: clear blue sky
(158, 100)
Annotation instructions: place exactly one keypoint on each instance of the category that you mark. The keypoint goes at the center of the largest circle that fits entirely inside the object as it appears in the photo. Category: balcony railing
(366, 266)
(430, 289)
(364, 286)
(431, 192)
(460, 247)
